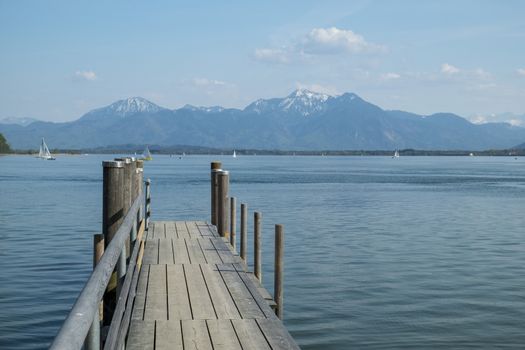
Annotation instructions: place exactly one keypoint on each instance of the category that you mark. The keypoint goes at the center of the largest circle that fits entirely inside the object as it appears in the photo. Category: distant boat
(471, 154)
(234, 154)
(396, 154)
(146, 155)
(44, 153)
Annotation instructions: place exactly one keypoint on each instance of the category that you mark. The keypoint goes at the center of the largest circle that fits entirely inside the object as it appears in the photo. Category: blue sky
(60, 59)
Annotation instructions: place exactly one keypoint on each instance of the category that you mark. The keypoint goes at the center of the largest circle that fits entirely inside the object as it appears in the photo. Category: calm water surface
(381, 253)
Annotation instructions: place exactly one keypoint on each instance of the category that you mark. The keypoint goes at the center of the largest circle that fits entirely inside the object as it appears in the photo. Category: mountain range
(303, 120)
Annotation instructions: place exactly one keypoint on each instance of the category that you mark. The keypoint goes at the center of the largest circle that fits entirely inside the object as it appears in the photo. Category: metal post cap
(125, 160)
(112, 164)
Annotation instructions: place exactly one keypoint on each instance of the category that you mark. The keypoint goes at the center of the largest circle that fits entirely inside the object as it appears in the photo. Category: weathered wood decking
(194, 292)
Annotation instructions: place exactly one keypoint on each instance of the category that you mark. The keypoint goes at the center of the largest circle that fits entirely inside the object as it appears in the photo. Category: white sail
(146, 154)
(234, 154)
(44, 151)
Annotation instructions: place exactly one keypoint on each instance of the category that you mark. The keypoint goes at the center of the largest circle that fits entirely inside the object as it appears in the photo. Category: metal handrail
(76, 326)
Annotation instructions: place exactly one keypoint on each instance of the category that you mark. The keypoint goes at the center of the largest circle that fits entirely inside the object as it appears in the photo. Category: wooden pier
(194, 293)
(174, 284)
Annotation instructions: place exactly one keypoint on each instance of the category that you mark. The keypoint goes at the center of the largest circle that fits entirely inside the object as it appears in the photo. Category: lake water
(380, 253)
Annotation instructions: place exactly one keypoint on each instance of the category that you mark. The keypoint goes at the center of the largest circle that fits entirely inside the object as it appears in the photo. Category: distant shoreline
(177, 152)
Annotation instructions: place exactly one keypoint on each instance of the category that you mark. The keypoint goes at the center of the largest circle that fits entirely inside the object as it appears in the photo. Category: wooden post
(257, 245)
(148, 202)
(112, 198)
(215, 166)
(244, 230)
(233, 222)
(222, 219)
(134, 193)
(279, 266)
(138, 183)
(127, 188)
(112, 216)
(130, 167)
(93, 337)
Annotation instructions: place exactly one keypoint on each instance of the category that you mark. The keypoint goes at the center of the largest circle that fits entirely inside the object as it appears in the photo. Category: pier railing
(102, 309)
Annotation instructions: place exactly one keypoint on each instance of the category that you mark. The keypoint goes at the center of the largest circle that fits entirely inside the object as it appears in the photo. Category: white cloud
(272, 55)
(449, 69)
(320, 41)
(521, 71)
(511, 118)
(86, 75)
(333, 40)
(482, 74)
(390, 76)
(208, 82)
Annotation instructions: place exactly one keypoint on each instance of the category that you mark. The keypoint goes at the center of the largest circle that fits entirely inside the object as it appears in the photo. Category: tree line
(4, 146)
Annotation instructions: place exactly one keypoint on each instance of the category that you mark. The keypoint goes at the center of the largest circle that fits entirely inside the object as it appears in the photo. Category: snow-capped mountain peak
(133, 105)
(303, 102)
(307, 94)
(22, 121)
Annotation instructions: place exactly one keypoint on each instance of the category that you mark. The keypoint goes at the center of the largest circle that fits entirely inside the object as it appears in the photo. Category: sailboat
(234, 154)
(396, 154)
(44, 153)
(146, 155)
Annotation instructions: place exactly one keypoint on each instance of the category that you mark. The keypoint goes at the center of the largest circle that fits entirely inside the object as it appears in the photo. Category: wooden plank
(210, 253)
(263, 291)
(193, 230)
(160, 231)
(140, 229)
(151, 252)
(156, 299)
(171, 231)
(254, 291)
(182, 231)
(140, 297)
(276, 334)
(151, 230)
(227, 256)
(206, 231)
(201, 305)
(213, 230)
(222, 301)
(165, 251)
(141, 335)
(247, 306)
(126, 319)
(180, 251)
(195, 252)
(168, 335)
(250, 335)
(195, 335)
(178, 300)
(223, 335)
